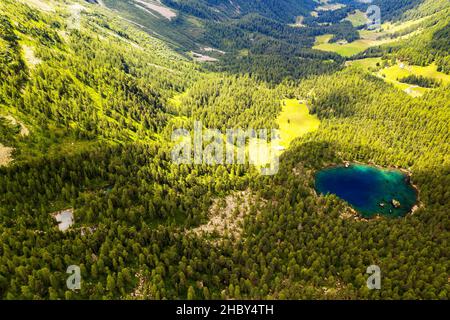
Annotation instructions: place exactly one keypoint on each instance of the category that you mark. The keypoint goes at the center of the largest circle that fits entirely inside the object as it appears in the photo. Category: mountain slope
(249, 34)
(89, 102)
(432, 44)
(43, 50)
(280, 10)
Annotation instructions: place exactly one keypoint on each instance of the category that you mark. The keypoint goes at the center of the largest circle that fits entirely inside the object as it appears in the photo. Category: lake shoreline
(359, 216)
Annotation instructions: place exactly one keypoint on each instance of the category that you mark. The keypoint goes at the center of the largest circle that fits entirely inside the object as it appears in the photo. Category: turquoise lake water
(368, 189)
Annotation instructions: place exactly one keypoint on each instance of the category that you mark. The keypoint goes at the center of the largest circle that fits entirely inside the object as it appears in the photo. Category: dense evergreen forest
(88, 102)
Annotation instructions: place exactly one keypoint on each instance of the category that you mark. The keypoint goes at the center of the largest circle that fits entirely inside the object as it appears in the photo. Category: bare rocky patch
(43, 5)
(146, 10)
(210, 49)
(158, 7)
(227, 215)
(30, 57)
(23, 129)
(74, 21)
(203, 58)
(139, 291)
(5, 155)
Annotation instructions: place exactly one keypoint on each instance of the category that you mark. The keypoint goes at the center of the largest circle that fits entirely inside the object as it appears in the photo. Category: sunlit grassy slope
(395, 73)
(388, 33)
(358, 18)
(366, 64)
(345, 50)
(295, 121)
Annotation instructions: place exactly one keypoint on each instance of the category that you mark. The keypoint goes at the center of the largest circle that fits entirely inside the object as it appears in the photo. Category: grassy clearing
(366, 64)
(177, 100)
(295, 121)
(326, 6)
(400, 71)
(323, 39)
(390, 27)
(369, 38)
(343, 49)
(395, 73)
(358, 18)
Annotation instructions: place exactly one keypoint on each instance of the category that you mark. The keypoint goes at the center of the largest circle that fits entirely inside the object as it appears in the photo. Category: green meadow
(369, 38)
(345, 50)
(295, 121)
(398, 71)
(358, 18)
(366, 64)
(395, 73)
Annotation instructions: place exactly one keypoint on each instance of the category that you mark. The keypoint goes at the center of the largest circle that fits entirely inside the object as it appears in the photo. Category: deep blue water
(368, 189)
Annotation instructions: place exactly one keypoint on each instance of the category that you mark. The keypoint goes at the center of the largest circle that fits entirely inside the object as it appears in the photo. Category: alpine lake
(368, 189)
